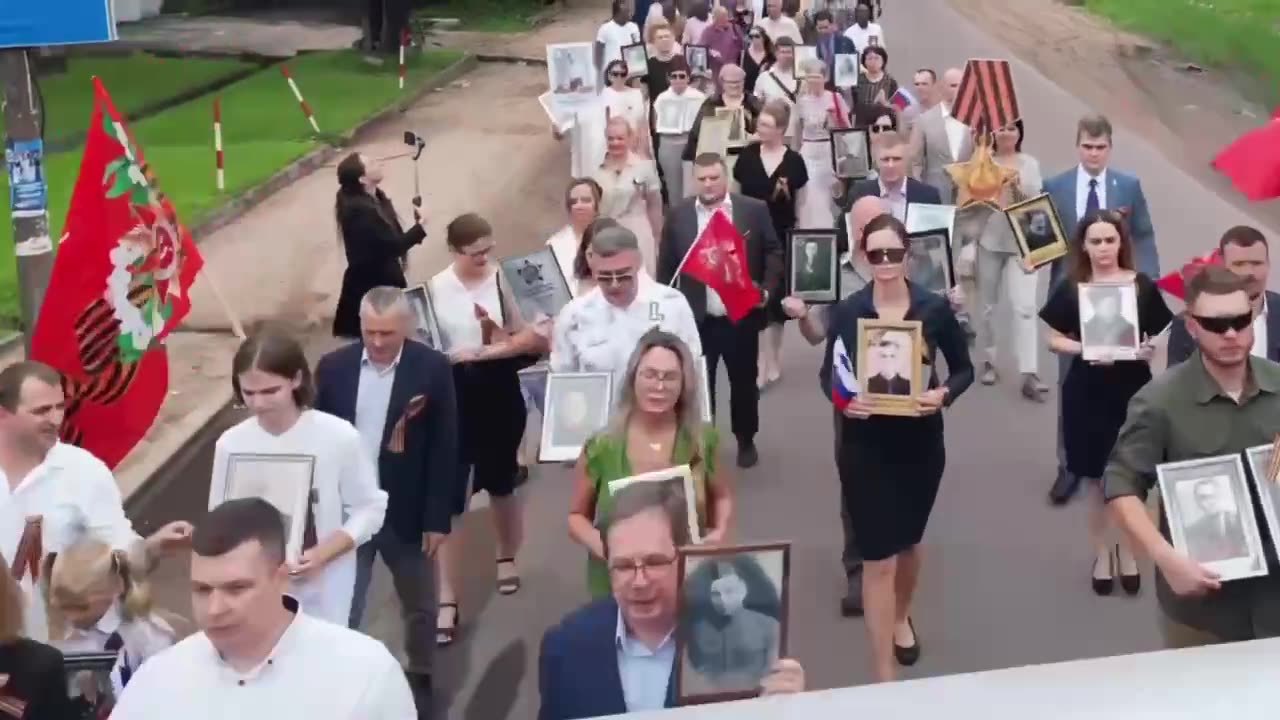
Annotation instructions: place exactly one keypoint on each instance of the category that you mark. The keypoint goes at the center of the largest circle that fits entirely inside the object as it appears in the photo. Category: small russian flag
(844, 383)
(903, 99)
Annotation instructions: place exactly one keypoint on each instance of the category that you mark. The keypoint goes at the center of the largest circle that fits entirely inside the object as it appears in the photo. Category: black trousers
(739, 346)
(386, 18)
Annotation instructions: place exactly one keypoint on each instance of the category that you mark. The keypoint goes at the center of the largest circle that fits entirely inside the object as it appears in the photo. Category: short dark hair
(1093, 126)
(1213, 280)
(645, 497)
(236, 522)
(465, 230)
(785, 42)
(933, 75)
(1244, 236)
(884, 222)
(876, 50)
(707, 159)
(13, 377)
(822, 15)
(274, 351)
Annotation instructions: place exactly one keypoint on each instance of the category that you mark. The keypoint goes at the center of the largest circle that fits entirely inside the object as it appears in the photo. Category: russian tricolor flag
(903, 99)
(844, 382)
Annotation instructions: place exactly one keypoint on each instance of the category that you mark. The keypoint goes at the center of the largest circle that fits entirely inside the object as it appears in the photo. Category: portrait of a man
(971, 223)
(813, 267)
(696, 56)
(1108, 326)
(889, 353)
(569, 66)
(927, 262)
(1037, 228)
(851, 154)
(1216, 533)
(846, 70)
(422, 317)
(577, 406)
(670, 115)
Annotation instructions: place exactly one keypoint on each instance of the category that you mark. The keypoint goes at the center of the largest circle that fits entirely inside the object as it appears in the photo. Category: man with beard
(1221, 401)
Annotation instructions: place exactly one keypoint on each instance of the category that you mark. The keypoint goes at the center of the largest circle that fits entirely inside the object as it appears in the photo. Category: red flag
(119, 285)
(1252, 162)
(1175, 283)
(718, 259)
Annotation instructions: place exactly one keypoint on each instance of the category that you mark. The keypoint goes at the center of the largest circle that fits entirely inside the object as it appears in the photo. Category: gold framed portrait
(890, 365)
(1038, 230)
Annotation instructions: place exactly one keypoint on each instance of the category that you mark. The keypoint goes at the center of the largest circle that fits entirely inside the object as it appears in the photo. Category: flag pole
(236, 327)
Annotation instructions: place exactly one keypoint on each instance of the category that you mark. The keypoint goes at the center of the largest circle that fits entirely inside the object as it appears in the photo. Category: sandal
(445, 635)
(510, 585)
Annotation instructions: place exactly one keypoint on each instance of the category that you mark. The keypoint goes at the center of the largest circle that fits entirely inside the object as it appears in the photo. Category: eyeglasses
(615, 278)
(1219, 325)
(679, 76)
(616, 73)
(660, 378)
(878, 128)
(886, 256)
(756, 36)
(654, 566)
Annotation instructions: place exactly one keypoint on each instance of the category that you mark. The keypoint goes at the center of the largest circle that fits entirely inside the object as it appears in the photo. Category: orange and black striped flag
(985, 100)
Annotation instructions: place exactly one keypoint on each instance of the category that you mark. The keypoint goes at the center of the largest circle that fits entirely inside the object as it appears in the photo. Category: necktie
(1091, 204)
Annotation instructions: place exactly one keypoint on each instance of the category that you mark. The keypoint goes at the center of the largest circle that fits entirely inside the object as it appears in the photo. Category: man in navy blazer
(617, 654)
(399, 394)
(896, 189)
(830, 43)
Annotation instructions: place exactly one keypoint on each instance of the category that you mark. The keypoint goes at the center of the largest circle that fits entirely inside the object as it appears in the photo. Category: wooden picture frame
(713, 136)
(679, 475)
(1027, 219)
(426, 324)
(927, 252)
(562, 439)
(736, 137)
(1092, 338)
(1240, 553)
(842, 139)
(762, 594)
(822, 285)
(886, 394)
(636, 57)
(1267, 488)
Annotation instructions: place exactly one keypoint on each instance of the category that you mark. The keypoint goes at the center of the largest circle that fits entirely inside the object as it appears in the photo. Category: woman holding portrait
(631, 192)
(623, 98)
(656, 425)
(1095, 394)
(671, 145)
(817, 112)
(731, 96)
(569, 243)
(891, 466)
(35, 679)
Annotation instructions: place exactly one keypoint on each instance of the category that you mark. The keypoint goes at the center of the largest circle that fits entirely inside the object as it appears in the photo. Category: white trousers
(1003, 271)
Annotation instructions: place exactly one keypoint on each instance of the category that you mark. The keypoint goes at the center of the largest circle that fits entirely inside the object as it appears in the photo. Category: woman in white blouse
(817, 112)
(270, 375)
(488, 343)
(622, 98)
(631, 191)
(683, 102)
(582, 203)
(778, 80)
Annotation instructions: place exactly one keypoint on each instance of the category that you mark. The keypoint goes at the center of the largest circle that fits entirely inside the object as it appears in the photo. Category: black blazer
(421, 482)
(36, 677)
(917, 192)
(764, 251)
(375, 248)
(1181, 345)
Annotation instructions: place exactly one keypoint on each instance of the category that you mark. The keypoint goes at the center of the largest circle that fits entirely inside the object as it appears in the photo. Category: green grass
(263, 130)
(1238, 35)
(483, 15)
(135, 81)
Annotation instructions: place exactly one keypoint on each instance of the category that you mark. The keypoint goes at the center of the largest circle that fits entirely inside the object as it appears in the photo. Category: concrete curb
(512, 59)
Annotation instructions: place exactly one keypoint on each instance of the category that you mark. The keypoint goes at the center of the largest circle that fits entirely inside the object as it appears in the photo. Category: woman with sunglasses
(1095, 394)
(891, 466)
(875, 85)
(631, 191)
(817, 112)
(758, 55)
(671, 145)
(622, 99)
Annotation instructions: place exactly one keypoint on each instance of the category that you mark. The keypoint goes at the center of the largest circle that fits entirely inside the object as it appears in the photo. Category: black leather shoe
(1064, 487)
(908, 656)
(1103, 586)
(747, 455)
(851, 603)
(1131, 584)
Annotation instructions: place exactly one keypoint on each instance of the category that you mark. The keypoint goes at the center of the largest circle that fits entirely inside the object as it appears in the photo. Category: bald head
(951, 83)
(866, 209)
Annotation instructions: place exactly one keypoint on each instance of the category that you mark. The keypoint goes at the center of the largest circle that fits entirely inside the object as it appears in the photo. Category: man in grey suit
(1087, 188)
(737, 342)
(926, 89)
(938, 140)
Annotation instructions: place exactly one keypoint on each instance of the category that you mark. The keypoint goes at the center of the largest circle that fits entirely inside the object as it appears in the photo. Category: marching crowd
(395, 436)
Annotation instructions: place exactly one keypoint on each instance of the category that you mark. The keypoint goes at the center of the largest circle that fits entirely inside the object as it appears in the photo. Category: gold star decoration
(981, 179)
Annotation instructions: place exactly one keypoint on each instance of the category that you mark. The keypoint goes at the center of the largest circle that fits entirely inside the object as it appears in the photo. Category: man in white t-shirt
(777, 26)
(620, 31)
(256, 655)
(598, 331)
(863, 32)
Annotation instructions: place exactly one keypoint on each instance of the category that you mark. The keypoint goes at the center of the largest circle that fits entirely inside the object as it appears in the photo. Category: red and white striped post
(404, 42)
(306, 109)
(217, 143)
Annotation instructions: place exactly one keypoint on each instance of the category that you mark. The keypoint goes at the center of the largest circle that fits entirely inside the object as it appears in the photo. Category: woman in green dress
(657, 425)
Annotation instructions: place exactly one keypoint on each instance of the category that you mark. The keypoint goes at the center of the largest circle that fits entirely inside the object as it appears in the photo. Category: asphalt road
(1005, 581)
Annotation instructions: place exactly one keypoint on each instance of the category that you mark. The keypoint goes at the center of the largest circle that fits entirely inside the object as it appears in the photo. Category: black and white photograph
(426, 328)
(813, 264)
(923, 217)
(636, 56)
(1109, 321)
(1210, 512)
(737, 119)
(805, 53)
(697, 57)
(968, 224)
(1037, 230)
(1261, 459)
(733, 619)
(576, 407)
(285, 481)
(704, 389)
(890, 364)
(851, 153)
(561, 117)
(571, 70)
(537, 283)
(846, 70)
(533, 380)
(713, 135)
(929, 262)
(677, 481)
(90, 684)
(674, 115)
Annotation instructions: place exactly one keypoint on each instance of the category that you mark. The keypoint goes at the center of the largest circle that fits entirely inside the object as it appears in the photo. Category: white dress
(812, 119)
(346, 497)
(630, 104)
(565, 246)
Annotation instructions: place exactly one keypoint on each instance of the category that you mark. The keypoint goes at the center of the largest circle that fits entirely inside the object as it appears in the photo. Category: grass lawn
(135, 81)
(263, 130)
(483, 15)
(1241, 35)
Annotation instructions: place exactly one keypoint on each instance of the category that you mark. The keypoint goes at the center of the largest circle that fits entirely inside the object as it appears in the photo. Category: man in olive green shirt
(1219, 402)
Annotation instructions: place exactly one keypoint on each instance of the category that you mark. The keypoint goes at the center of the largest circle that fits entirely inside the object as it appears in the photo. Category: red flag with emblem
(1175, 283)
(718, 259)
(119, 285)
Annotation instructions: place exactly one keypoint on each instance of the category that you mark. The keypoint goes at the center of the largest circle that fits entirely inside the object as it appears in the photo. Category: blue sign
(27, 189)
(33, 23)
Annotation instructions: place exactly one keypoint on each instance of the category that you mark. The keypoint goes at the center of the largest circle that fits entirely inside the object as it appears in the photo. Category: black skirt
(491, 420)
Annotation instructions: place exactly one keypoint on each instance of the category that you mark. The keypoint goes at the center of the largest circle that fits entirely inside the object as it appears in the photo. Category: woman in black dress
(35, 681)
(375, 244)
(891, 466)
(1095, 395)
(770, 171)
(756, 56)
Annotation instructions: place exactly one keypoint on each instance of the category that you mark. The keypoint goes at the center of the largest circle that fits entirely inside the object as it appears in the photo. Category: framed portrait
(678, 481)
(1109, 320)
(704, 389)
(89, 683)
(805, 53)
(1037, 230)
(636, 56)
(1260, 459)
(851, 153)
(561, 118)
(1210, 513)
(533, 380)
(571, 71)
(846, 70)
(537, 284)
(969, 223)
(891, 364)
(732, 619)
(674, 115)
(426, 327)
(698, 59)
(923, 217)
(813, 265)
(737, 135)
(713, 136)
(285, 481)
(576, 407)
(929, 260)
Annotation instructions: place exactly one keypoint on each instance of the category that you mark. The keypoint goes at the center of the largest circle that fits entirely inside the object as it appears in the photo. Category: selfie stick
(412, 138)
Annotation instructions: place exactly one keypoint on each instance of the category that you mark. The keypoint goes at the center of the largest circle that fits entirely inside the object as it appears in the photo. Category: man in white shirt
(777, 26)
(863, 32)
(257, 656)
(619, 32)
(598, 331)
(70, 490)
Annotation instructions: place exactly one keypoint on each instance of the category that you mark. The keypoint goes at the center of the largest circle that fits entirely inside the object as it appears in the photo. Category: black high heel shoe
(1103, 586)
(1131, 584)
(908, 656)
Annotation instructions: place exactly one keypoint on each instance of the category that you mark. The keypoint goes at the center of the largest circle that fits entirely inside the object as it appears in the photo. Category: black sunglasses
(755, 36)
(615, 73)
(881, 256)
(881, 128)
(1219, 325)
(679, 76)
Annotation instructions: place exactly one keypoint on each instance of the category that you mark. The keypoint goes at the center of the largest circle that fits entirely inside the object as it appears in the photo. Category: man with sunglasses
(598, 331)
(1220, 401)
(1244, 252)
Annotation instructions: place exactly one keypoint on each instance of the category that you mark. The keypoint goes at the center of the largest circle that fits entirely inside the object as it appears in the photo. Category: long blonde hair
(688, 407)
(86, 568)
